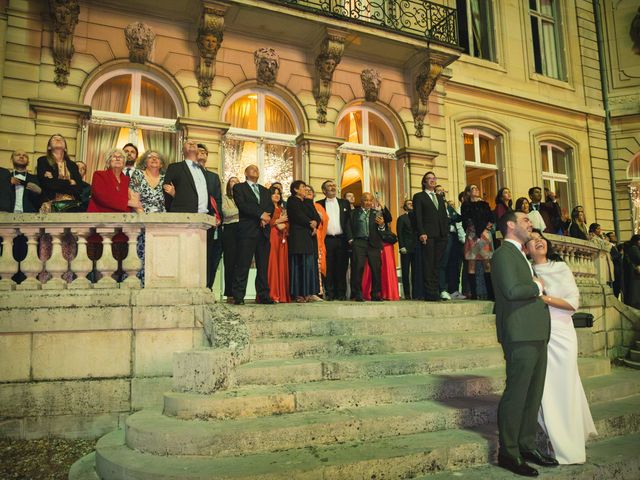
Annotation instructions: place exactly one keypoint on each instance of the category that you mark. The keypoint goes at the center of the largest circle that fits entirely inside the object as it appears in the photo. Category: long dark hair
(519, 203)
(552, 255)
(50, 159)
(273, 189)
(499, 198)
(228, 189)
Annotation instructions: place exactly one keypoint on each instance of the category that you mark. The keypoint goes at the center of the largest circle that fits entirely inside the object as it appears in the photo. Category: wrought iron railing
(417, 18)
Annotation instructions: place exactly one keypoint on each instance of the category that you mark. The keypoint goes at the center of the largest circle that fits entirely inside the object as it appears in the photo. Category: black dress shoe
(238, 301)
(539, 458)
(517, 466)
(266, 301)
(377, 299)
(358, 299)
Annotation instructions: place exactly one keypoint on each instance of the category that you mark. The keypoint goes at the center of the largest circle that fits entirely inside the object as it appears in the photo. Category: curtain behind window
(113, 95)
(243, 113)
(381, 174)
(101, 139)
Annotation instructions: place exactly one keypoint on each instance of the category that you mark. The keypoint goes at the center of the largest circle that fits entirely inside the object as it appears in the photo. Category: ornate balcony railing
(417, 18)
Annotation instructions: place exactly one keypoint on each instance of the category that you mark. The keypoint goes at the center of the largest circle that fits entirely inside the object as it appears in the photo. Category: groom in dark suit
(523, 325)
(255, 209)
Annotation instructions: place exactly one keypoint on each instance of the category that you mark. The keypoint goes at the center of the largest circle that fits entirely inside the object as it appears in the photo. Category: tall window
(556, 172)
(367, 160)
(475, 26)
(263, 132)
(130, 106)
(482, 151)
(546, 37)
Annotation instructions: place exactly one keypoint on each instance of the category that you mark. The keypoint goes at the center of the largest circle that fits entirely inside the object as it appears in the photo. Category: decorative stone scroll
(371, 81)
(326, 62)
(425, 82)
(267, 63)
(64, 16)
(209, 42)
(140, 40)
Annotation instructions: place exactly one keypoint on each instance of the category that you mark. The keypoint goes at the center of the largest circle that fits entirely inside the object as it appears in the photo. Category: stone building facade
(369, 95)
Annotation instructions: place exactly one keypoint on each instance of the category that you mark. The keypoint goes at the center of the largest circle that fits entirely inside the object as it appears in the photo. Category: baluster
(81, 265)
(31, 266)
(8, 265)
(107, 264)
(56, 265)
(131, 264)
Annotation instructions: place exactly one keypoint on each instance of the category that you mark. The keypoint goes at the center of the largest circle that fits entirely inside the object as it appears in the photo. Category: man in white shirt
(335, 241)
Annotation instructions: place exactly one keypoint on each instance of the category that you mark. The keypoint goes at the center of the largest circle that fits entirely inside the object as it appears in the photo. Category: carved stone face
(328, 66)
(209, 42)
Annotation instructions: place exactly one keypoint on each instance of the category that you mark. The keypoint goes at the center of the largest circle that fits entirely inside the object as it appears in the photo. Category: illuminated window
(129, 106)
(556, 173)
(263, 132)
(481, 157)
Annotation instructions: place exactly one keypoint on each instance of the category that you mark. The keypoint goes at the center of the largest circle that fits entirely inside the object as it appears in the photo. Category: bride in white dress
(564, 413)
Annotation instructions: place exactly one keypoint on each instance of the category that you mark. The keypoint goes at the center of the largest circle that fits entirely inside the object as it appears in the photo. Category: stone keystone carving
(371, 81)
(140, 40)
(209, 42)
(64, 16)
(326, 62)
(425, 82)
(267, 63)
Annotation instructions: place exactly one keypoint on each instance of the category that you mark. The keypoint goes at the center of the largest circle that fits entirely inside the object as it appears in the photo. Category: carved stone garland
(209, 42)
(64, 16)
(425, 82)
(326, 63)
(267, 63)
(371, 81)
(140, 40)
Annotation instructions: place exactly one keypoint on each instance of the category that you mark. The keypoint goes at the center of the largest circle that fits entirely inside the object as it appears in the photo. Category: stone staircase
(351, 391)
(634, 357)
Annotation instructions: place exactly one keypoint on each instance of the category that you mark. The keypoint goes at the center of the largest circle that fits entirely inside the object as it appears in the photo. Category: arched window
(482, 159)
(633, 170)
(130, 106)
(556, 172)
(368, 161)
(263, 132)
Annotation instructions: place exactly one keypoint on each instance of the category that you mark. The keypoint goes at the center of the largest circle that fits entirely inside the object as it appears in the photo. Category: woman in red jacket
(110, 187)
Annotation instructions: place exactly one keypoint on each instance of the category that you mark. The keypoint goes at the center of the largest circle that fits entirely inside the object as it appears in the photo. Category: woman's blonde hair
(110, 154)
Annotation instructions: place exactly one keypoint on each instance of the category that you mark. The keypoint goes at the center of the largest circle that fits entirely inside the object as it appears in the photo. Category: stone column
(318, 162)
(31, 266)
(56, 265)
(207, 132)
(107, 264)
(8, 266)
(132, 264)
(82, 264)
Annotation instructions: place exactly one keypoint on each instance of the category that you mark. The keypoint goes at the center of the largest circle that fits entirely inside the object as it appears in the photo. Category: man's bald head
(252, 173)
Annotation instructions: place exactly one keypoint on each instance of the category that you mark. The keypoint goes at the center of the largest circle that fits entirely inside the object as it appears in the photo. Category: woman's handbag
(582, 320)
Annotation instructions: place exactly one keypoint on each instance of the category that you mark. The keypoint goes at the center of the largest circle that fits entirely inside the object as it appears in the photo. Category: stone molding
(371, 82)
(210, 34)
(327, 60)
(139, 38)
(64, 18)
(267, 63)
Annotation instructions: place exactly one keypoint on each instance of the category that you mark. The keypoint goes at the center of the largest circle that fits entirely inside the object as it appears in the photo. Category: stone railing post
(56, 265)
(81, 265)
(106, 264)
(8, 265)
(131, 264)
(31, 266)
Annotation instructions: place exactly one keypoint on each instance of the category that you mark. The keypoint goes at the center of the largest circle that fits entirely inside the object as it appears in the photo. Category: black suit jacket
(250, 209)
(7, 193)
(429, 220)
(407, 237)
(186, 198)
(300, 213)
(375, 239)
(345, 211)
(30, 200)
(51, 186)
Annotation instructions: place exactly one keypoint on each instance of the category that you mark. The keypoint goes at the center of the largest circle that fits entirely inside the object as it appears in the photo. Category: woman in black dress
(59, 178)
(631, 272)
(303, 246)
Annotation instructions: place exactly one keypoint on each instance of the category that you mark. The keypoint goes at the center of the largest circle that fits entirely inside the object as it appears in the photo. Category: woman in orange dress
(278, 271)
(321, 233)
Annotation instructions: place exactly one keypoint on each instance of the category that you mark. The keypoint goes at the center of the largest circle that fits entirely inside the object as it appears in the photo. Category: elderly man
(364, 235)
(335, 241)
(255, 209)
(188, 189)
(19, 190)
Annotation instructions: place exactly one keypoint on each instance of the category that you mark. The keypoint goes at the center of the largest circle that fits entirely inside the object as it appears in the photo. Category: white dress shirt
(201, 186)
(333, 210)
(19, 189)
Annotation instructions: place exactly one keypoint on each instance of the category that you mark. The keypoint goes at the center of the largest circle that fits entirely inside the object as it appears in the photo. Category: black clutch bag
(388, 236)
(582, 320)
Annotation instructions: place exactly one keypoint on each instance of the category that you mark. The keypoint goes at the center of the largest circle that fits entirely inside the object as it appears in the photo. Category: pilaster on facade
(319, 155)
(418, 161)
(210, 133)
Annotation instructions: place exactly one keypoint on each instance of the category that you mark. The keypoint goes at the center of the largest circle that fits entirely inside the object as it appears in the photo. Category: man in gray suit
(523, 325)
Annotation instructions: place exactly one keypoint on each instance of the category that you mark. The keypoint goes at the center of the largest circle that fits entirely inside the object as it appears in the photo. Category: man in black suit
(19, 190)
(432, 225)
(216, 203)
(338, 210)
(363, 234)
(407, 240)
(187, 189)
(255, 209)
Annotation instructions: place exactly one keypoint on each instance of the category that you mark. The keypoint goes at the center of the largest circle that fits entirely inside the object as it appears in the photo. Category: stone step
(278, 372)
(258, 401)
(151, 432)
(634, 355)
(613, 458)
(631, 364)
(352, 310)
(84, 468)
(368, 344)
(288, 327)
(398, 457)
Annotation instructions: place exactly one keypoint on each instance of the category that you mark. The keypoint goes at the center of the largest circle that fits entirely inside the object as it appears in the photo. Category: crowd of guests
(305, 248)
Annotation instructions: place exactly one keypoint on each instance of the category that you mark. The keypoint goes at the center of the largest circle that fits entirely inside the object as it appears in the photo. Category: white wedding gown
(564, 413)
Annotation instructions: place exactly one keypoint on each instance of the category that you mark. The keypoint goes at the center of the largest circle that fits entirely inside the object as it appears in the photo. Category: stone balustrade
(100, 250)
